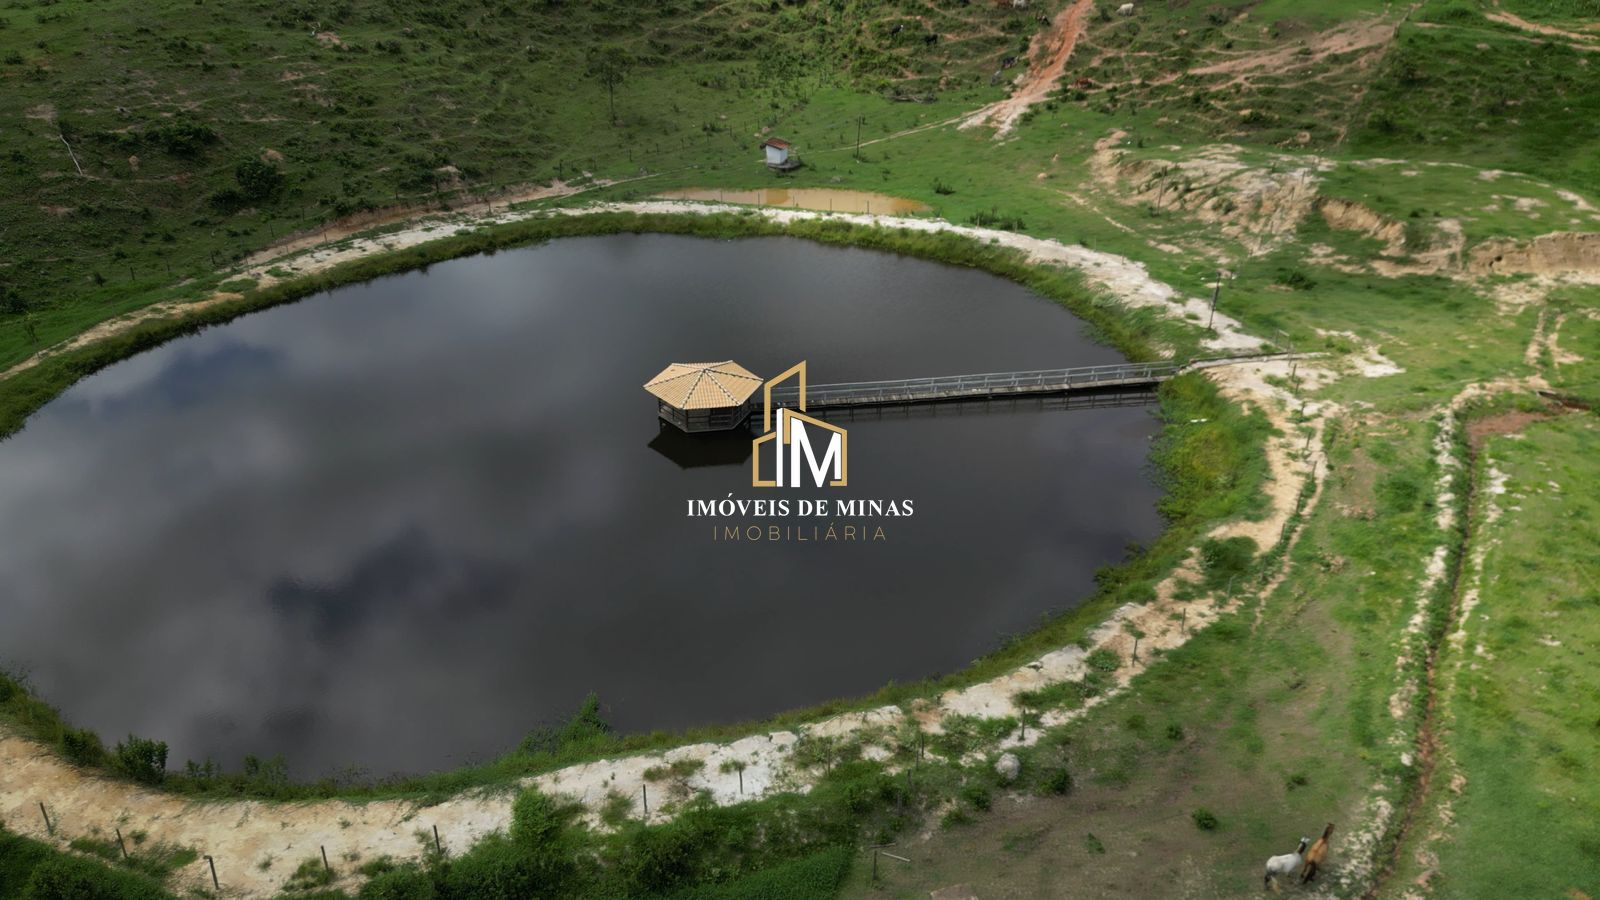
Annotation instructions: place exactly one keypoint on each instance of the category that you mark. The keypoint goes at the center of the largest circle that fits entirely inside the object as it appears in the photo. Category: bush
(311, 873)
(30, 870)
(1205, 819)
(141, 759)
(1223, 561)
(1295, 280)
(542, 826)
(12, 300)
(83, 747)
(586, 729)
(993, 218)
(184, 137)
(258, 180)
(401, 883)
(977, 796)
(266, 777)
(817, 875)
(497, 869)
(1104, 660)
(1057, 781)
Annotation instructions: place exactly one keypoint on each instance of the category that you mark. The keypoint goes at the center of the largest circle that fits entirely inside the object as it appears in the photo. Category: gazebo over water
(704, 396)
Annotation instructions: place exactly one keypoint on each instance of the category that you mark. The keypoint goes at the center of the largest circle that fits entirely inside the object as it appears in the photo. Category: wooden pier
(985, 386)
(723, 396)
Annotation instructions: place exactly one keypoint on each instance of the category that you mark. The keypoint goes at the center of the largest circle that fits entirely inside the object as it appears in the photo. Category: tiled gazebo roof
(704, 385)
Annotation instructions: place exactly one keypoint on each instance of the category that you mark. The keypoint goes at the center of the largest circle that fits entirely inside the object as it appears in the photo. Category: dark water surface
(400, 524)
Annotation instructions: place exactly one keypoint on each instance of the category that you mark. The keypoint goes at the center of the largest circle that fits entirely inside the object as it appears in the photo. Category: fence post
(48, 826)
(644, 794)
(325, 867)
(213, 864)
(438, 847)
(121, 844)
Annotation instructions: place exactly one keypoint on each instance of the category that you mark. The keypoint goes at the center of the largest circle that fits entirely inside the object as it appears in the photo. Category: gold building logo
(788, 436)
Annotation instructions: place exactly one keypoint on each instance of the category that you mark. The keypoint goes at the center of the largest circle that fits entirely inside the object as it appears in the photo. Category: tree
(12, 301)
(257, 180)
(609, 65)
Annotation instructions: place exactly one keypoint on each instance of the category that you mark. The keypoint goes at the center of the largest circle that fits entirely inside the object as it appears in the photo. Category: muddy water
(807, 198)
(400, 524)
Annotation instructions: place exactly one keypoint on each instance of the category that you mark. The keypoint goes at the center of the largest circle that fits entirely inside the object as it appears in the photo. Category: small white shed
(778, 154)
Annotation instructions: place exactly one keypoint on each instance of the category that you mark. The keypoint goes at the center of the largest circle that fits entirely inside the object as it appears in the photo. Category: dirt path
(355, 224)
(1581, 41)
(1047, 57)
(257, 845)
(1362, 34)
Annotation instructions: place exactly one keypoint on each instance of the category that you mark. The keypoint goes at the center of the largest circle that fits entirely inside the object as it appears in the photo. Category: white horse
(1284, 866)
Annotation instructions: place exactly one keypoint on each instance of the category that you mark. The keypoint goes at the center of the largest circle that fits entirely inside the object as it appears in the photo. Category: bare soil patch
(1047, 55)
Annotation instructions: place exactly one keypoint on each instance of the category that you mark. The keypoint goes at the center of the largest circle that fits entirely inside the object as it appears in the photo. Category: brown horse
(1315, 856)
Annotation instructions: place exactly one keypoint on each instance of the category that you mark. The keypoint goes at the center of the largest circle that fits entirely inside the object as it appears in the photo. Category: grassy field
(1269, 725)
(147, 147)
(1520, 709)
(31, 870)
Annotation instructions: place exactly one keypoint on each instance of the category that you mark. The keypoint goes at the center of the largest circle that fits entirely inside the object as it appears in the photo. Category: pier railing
(983, 385)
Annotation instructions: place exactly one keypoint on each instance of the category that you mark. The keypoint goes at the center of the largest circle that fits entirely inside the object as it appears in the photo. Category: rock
(1008, 767)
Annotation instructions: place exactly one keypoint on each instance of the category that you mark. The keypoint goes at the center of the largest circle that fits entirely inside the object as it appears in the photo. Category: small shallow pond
(400, 524)
(828, 199)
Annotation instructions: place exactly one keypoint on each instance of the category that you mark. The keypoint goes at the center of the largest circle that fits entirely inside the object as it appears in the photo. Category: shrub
(258, 180)
(1295, 280)
(141, 759)
(498, 868)
(993, 218)
(30, 870)
(265, 776)
(311, 873)
(1104, 660)
(12, 300)
(817, 875)
(541, 825)
(1205, 819)
(1057, 781)
(82, 746)
(184, 137)
(399, 883)
(1222, 561)
(977, 796)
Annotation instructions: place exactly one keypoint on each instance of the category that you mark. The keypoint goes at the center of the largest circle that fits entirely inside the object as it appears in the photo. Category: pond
(398, 525)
